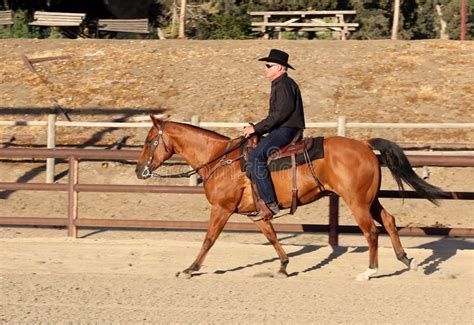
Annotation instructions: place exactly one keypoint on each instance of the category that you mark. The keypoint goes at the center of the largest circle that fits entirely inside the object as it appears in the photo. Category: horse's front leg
(217, 221)
(267, 229)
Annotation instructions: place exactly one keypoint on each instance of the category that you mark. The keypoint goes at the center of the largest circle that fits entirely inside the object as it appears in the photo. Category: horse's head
(158, 147)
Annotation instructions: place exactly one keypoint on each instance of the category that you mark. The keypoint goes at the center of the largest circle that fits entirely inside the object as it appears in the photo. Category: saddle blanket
(315, 152)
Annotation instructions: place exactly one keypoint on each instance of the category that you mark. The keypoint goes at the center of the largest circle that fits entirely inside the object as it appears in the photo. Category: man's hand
(248, 131)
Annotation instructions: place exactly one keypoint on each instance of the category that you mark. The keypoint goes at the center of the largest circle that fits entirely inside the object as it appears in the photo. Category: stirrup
(260, 215)
(266, 212)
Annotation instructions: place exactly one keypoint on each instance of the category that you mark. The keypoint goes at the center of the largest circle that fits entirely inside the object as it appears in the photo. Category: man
(285, 118)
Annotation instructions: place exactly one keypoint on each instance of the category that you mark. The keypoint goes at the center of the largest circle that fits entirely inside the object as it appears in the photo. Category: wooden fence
(72, 222)
(341, 125)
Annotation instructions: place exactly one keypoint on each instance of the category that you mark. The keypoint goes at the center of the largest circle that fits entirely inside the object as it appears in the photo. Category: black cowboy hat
(277, 56)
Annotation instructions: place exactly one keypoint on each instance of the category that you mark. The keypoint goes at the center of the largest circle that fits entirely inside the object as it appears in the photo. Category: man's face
(273, 70)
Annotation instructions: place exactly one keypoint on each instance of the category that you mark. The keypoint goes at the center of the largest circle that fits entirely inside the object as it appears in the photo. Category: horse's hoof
(413, 265)
(281, 275)
(366, 275)
(184, 275)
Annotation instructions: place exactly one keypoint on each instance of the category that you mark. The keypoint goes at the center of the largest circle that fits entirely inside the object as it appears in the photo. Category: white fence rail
(341, 124)
(241, 125)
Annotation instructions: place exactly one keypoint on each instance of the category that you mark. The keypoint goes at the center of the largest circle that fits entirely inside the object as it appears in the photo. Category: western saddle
(296, 146)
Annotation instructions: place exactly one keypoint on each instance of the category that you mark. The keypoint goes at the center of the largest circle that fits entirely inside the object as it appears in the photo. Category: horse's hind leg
(367, 225)
(218, 219)
(267, 229)
(388, 221)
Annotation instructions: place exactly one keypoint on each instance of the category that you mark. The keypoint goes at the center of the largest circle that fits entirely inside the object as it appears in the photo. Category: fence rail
(417, 159)
(368, 125)
(73, 188)
(51, 124)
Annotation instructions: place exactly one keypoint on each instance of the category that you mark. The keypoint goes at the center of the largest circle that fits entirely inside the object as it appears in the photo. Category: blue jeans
(258, 161)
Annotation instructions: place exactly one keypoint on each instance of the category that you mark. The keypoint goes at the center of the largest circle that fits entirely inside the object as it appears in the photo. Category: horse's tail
(396, 160)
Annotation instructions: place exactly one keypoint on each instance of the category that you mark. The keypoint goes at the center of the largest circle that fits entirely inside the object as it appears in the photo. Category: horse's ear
(156, 122)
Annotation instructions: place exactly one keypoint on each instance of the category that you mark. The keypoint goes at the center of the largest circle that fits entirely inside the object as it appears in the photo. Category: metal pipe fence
(72, 222)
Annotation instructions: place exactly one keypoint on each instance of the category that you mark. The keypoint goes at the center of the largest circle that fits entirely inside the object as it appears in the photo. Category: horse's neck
(197, 146)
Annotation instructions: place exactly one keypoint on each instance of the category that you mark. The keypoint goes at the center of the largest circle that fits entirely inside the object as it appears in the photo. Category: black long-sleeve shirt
(286, 106)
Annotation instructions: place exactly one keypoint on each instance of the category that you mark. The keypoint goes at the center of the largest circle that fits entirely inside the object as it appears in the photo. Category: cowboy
(285, 119)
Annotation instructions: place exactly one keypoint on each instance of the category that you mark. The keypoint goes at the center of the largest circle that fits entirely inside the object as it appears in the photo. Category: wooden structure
(123, 25)
(6, 18)
(58, 19)
(304, 21)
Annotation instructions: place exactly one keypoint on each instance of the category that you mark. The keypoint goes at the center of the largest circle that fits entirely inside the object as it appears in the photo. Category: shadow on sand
(301, 251)
(442, 250)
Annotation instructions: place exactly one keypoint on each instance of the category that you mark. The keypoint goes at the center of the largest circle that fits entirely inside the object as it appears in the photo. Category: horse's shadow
(442, 250)
(303, 250)
(336, 253)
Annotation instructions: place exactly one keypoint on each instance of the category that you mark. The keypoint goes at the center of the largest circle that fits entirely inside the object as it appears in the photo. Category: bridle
(146, 170)
(148, 173)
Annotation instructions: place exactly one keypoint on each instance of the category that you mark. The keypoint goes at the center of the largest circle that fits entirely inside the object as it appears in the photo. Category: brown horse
(349, 168)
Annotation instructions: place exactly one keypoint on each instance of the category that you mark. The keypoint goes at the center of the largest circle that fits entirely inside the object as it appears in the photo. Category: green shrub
(20, 28)
(222, 26)
(54, 33)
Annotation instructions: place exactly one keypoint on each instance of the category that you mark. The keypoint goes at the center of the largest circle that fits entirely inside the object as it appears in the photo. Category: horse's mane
(211, 134)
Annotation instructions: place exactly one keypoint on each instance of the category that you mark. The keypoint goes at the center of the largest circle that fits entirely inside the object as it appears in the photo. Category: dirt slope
(367, 81)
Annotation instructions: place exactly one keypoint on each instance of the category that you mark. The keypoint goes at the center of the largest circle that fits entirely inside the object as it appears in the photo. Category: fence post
(72, 197)
(341, 126)
(51, 144)
(193, 179)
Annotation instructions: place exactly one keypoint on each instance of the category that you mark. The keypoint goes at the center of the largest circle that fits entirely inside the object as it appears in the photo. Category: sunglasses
(269, 66)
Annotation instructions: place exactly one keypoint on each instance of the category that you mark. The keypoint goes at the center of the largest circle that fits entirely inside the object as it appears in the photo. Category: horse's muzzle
(142, 173)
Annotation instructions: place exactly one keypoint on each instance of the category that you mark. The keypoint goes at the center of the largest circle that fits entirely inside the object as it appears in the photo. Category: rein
(148, 173)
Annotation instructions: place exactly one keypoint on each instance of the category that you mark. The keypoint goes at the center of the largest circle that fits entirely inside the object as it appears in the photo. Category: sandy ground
(104, 278)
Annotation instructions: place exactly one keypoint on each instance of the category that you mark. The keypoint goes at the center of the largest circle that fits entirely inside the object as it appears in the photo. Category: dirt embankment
(367, 81)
